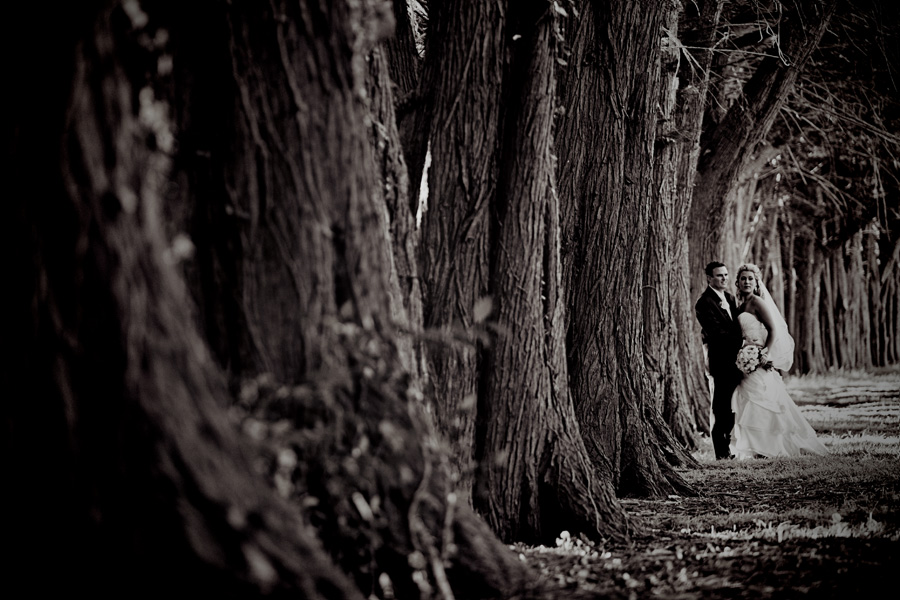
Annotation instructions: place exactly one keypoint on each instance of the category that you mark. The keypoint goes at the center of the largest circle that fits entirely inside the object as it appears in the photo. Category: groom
(717, 312)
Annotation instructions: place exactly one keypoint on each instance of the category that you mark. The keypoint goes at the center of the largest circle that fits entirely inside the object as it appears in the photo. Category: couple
(755, 404)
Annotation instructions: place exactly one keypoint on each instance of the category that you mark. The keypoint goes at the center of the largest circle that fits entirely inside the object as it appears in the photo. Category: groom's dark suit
(722, 335)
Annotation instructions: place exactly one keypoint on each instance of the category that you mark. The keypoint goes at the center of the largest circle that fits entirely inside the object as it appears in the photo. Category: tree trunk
(872, 300)
(808, 292)
(412, 98)
(792, 296)
(127, 469)
(676, 359)
(861, 302)
(404, 64)
(406, 289)
(832, 348)
(123, 470)
(605, 148)
(889, 330)
(892, 321)
(535, 478)
(463, 75)
(660, 338)
(698, 31)
(348, 299)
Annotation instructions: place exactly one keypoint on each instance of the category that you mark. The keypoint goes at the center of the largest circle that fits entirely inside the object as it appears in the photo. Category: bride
(767, 422)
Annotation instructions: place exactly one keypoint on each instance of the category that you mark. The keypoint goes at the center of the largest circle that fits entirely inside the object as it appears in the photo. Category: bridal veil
(781, 351)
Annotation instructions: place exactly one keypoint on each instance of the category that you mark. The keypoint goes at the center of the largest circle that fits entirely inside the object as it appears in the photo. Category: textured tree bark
(832, 346)
(838, 323)
(889, 318)
(272, 263)
(860, 303)
(854, 325)
(477, 273)
(672, 342)
(406, 290)
(322, 182)
(535, 478)
(127, 468)
(605, 147)
(892, 320)
(412, 97)
(124, 471)
(871, 301)
(403, 59)
(463, 75)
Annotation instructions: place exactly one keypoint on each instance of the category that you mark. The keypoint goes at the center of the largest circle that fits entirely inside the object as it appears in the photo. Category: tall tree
(461, 87)
(124, 471)
(491, 244)
(355, 290)
(824, 190)
(126, 468)
(535, 475)
(675, 359)
(605, 146)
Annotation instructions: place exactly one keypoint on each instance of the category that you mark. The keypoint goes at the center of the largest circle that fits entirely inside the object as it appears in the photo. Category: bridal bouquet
(752, 357)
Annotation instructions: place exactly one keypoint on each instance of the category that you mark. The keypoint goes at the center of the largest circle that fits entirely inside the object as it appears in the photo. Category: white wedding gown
(766, 420)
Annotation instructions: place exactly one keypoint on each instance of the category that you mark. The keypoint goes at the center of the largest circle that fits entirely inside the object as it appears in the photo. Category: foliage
(345, 450)
(350, 449)
(840, 131)
(836, 138)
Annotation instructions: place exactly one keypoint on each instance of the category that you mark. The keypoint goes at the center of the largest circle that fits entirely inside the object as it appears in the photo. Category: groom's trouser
(721, 405)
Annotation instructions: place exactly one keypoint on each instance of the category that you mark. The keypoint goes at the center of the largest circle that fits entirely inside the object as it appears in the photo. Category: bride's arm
(765, 316)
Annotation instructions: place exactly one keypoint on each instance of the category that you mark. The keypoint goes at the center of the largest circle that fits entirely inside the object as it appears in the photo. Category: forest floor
(806, 527)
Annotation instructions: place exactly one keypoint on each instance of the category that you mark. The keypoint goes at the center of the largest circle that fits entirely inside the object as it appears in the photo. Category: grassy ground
(806, 527)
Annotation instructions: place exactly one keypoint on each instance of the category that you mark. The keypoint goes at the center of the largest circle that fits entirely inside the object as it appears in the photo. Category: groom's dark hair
(712, 267)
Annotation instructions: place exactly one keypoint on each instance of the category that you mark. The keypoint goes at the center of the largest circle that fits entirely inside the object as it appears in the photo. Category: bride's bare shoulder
(752, 304)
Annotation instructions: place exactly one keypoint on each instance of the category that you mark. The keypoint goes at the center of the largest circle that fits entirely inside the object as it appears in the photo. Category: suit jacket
(721, 333)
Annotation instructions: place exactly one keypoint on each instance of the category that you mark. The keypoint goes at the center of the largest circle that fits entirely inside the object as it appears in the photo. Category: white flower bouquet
(752, 357)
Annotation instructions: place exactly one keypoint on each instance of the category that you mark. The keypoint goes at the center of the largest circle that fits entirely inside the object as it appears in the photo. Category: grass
(809, 526)
(854, 491)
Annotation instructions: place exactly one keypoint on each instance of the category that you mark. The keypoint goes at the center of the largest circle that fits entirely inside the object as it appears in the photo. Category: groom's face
(719, 279)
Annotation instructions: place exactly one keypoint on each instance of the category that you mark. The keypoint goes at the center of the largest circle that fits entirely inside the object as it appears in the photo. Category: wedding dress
(766, 421)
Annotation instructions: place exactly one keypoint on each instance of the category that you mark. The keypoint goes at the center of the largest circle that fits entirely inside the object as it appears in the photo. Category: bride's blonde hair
(756, 273)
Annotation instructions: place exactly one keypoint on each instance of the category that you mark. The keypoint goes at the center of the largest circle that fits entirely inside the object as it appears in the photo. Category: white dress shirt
(724, 302)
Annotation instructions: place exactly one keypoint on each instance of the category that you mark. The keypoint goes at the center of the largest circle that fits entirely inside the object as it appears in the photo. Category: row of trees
(816, 207)
(244, 356)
